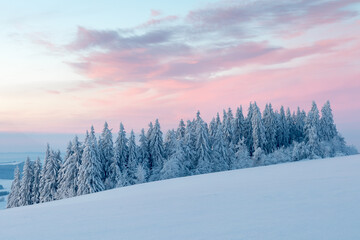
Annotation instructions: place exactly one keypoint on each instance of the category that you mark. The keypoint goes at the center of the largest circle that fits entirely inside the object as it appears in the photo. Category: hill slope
(303, 200)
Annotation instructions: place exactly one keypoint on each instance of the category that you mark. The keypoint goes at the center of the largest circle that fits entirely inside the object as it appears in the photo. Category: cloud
(218, 37)
(184, 63)
(157, 21)
(155, 13)
(87, 39)
(253, 17)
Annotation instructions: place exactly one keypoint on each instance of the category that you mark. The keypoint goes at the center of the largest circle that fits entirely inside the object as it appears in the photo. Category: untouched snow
(316, 199)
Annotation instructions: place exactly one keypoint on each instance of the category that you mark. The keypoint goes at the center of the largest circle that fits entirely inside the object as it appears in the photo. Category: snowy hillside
(302, 200)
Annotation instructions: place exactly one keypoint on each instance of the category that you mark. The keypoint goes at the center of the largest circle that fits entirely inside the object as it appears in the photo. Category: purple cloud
(215, 38)
(234, 16)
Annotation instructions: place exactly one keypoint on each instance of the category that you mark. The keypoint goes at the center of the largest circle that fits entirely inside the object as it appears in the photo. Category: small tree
(26, 185)
(36, 183)
(13, 198)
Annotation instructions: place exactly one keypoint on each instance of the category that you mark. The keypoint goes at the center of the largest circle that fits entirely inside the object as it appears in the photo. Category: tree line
(231, 142)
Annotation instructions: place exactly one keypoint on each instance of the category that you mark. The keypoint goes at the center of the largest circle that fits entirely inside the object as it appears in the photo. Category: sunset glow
(64, 68)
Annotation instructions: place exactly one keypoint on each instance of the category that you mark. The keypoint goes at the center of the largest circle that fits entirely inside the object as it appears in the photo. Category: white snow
(316, 199)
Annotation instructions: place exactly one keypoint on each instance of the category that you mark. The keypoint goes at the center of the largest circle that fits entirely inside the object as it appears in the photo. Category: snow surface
(316, 199)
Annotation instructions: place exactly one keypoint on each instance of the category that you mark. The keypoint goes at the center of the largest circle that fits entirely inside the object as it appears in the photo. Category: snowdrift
(316, 199)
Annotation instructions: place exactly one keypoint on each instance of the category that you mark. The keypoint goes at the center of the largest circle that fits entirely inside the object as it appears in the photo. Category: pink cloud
(155, 13)
(156, 21)
(145, 64)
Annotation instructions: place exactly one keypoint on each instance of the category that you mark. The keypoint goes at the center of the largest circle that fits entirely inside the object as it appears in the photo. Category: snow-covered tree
(258, 156)
(202, 148)
(300, 151)
(90, 178)
(213, 128)
(132, 160)
(144, 154)
(282, 133)
(115, 178)
(68, 183)
(239, 125)
(299, 120)
(106, 150)
(121, 149)
(312, 123)
(242, 156)
(193, 148)
(36, 183)
(221, 155)
(291, 126)
(327, 125)
(26, 185)
(269, 122)
(258, 129)
(248, 133)
(169, 143)
(156, 151)
(174, 166)
(189, 146)
(140, 174)
(42, 178)
(14, 196)
(228, 127)
(314, 143)
(180, 132)
(50, 174)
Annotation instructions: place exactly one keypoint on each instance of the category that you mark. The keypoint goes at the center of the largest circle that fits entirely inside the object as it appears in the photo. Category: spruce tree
(121, 149)
(51, 169)
(169, 143)
(115, 178)
(242, 156)
(42, 177)
(213, 128)
(90, 178)
(36, 183)
(180, 132)
(144, 154)
(14, 196)
(221, 156)
(132, 160)
(291, 126)
(327, 125)
(203, 151)
(174, 166)
(258, 130)
(314, 143)
(68, 184)
(239, 125)
(189, 147)
(156, 151)
(312, 122)
(283, 129)
(106, 150)
(248, 133)
(269, 121)
(140, 174)
(26, 185)
(228, 127)
(299, 125)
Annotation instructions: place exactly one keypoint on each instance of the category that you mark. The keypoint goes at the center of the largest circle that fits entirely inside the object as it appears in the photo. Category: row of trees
(193, 148)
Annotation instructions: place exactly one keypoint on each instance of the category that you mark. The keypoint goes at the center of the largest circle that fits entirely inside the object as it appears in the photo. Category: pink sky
(213, 56)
